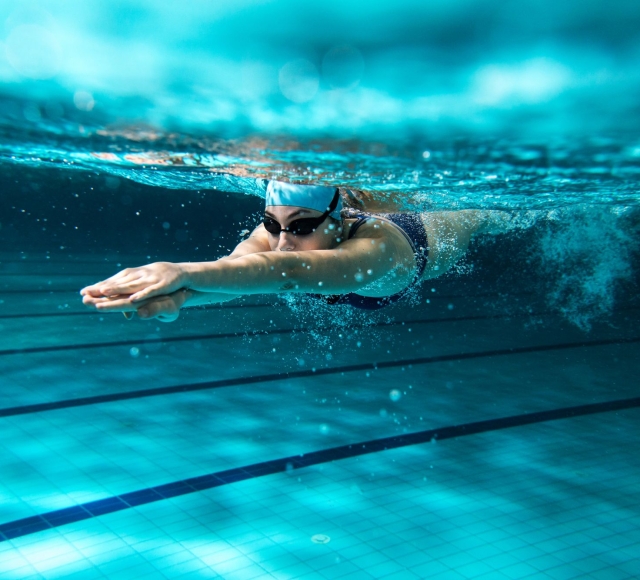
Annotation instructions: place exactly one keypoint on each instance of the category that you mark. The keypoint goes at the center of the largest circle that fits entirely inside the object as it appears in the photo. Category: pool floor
(477, 436)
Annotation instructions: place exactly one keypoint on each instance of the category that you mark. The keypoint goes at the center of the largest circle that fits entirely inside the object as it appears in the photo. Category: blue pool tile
(205, 482)
(520, 570)
(141, 497)
(473, 569)
(232, 475)
(22, 530)
(431, 569)
(105, 506)
(565, 571)
(22, 523)
(611, 573)
(173, 489)
(67, 515)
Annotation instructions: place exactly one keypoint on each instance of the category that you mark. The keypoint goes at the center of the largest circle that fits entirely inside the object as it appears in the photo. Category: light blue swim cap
(316, 197)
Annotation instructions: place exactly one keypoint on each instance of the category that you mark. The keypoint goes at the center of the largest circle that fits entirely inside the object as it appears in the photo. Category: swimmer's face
(326, 236)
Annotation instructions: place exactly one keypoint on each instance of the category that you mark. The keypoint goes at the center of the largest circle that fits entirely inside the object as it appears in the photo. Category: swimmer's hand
(136, 284)
(164, 308)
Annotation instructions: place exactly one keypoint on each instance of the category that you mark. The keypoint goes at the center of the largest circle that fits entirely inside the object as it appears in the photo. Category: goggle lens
(301, 227)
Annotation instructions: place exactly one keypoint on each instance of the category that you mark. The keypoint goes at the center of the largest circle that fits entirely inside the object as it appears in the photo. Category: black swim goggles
(302, 226)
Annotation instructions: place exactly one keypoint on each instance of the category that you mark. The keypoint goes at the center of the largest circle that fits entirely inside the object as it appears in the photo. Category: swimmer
(308, 244)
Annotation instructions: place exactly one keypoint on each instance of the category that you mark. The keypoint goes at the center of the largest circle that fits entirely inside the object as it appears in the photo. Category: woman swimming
(306, 244)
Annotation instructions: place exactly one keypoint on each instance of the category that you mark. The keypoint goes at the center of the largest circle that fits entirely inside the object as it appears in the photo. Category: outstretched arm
(354, 265)
(166, 306)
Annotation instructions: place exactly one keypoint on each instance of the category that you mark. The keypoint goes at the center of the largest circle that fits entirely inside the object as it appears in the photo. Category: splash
(327, 325)
(585, 254)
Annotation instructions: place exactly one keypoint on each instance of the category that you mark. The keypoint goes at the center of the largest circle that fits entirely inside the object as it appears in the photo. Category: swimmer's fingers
(147, 281)
(165, 308)
(114, 304)
(99, 301)
(149, 292)
(92, 300)
(107, 287)
(89, 291)
(127, 284)
(126, 288)
(93, 290)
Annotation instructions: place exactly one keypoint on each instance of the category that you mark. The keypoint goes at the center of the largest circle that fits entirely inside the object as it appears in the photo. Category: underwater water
(486, 427)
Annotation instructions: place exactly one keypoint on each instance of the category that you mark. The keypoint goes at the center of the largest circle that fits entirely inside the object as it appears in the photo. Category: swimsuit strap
(412, 229)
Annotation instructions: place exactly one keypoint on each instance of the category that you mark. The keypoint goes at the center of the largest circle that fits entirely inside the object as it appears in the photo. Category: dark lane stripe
(42, 290)
(96, 313)
(56, 518)
(160, 340)
(48, 275)
(189, 387)
(67, 347)
(223, 306)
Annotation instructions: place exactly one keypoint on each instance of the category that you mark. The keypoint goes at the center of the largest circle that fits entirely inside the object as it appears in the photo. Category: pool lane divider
(187, 338)
(57, 518)
(96, 313)
(161, 340)
(228, 306)
(206, 385)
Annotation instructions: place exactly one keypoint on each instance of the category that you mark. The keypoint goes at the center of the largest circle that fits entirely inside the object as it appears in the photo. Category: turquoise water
(483, 428)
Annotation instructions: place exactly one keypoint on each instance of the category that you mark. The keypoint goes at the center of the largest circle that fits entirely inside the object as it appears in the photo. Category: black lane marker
(92, 313)
(37, 349)
(42, 291)
(50, 275)
(47, 314)
(190, 387)
(242, 306)
(56, 518)
(136, 342)
(432, 296)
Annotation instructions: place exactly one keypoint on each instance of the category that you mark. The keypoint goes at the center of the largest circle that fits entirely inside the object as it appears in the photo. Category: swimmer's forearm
(271, 272)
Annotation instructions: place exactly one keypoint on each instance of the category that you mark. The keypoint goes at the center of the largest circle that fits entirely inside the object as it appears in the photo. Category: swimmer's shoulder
(374, 227)
(257, 242)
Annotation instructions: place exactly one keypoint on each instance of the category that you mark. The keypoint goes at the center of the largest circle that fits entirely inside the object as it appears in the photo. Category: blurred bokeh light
(337, 67)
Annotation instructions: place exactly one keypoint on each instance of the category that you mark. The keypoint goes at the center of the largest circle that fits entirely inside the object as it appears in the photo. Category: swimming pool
(486, 427)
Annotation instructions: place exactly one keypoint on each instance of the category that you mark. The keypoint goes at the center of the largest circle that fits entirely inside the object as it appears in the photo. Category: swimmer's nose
(285, 242)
